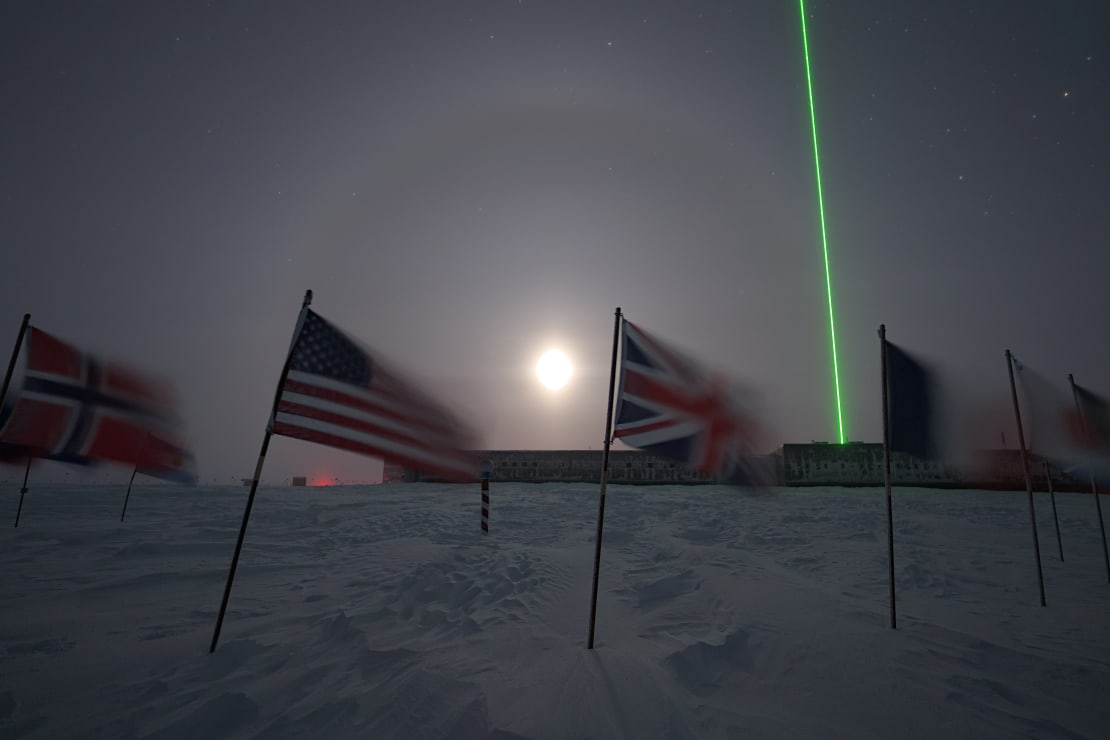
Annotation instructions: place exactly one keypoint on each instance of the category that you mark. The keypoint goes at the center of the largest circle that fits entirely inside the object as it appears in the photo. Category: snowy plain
(383, 612)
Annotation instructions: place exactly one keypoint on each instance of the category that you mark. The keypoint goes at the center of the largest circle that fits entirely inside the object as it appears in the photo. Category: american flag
(74, 408)
(334, 394)
(669, 405)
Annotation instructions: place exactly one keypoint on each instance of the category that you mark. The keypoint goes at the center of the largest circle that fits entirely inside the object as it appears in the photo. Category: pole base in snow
(22, 493)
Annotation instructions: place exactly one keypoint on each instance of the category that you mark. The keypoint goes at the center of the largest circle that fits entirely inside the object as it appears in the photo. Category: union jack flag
(669, 405)
(74, 408)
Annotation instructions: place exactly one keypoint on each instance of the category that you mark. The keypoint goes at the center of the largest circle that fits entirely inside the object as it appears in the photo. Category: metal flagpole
(135, 470)
(258, 473)
(15, 356)
(4, 395)
(604, 478)
(1055, 518)
(1028, 477)
(886, 466)
(1091, 472)
(23, 490)
(128, 496)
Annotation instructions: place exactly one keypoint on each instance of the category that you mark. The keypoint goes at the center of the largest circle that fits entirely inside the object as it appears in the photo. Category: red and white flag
(671, 405)
(335, 394)
(74, 408)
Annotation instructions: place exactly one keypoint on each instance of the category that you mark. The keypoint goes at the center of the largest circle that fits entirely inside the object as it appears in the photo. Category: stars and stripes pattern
(335, 394)
(74, 408)
(669, 405)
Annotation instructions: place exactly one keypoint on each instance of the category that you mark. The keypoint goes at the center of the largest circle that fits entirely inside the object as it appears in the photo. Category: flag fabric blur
(335, 394)
(164, 455)
(670, 405)
(1092, 429)
(912, 404)
(1048, 416)
(74, 408)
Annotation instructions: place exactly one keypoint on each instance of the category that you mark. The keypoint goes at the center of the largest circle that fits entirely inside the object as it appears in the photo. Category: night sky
(465, 184)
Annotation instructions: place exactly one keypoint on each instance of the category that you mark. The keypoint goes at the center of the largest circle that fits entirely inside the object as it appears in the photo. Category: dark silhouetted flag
(74, 408)
(669, 405)
(335, 394)
(1047, 415)
(912, 401)
(1094, 428)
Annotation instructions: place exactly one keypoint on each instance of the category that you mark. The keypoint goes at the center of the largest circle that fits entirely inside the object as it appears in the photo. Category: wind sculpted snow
(382, 612)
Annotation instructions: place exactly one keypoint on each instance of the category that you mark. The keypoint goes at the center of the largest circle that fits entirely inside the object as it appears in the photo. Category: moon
(554, 369)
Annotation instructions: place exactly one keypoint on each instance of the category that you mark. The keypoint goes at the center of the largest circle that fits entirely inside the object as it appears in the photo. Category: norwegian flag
(74, 408)
(671, 406)
(336, 395)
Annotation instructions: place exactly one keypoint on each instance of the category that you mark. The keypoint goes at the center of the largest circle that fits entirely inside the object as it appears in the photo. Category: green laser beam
(824, 237)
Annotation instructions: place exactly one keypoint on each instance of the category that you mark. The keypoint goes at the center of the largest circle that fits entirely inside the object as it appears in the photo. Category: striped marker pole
(487, 468)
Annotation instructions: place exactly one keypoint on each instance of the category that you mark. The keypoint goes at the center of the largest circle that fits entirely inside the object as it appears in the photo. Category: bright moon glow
(554, 369)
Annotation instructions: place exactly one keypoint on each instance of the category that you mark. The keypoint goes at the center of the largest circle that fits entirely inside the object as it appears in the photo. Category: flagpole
(1055, 518)
(134, 470)
(23, 490)
(258, 472)
(1028, 478)
(1091, 472)
(15, 356)
(128, 496)
(604, 478)
(886, 466)
(4, 395)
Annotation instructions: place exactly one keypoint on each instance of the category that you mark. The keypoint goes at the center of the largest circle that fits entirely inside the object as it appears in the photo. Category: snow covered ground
(382, 612)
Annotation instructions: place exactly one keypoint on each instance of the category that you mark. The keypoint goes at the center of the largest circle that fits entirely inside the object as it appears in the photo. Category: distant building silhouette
(811, 464)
